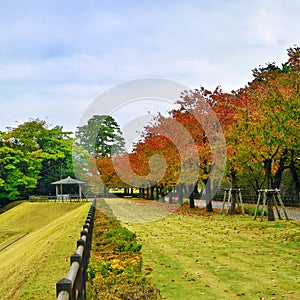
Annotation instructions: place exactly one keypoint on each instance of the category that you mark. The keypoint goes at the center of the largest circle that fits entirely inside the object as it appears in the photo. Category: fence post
(78, 286)
(64, 285)
(84, 264)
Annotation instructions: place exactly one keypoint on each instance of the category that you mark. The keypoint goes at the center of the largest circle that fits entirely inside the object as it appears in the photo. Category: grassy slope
(222, 257)
(10, 206)
(31, 266)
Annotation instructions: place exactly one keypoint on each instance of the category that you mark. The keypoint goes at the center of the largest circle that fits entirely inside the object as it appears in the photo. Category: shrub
(250, 210)
(115, 269)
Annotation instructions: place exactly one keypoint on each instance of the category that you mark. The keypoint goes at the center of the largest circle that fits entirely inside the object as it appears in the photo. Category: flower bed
(115, 269)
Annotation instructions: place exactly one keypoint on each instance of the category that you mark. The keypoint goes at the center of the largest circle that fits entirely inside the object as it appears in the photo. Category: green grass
(31, 266)
(202, 256)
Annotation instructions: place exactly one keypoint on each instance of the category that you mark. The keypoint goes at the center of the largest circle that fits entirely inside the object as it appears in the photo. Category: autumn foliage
(257, 128)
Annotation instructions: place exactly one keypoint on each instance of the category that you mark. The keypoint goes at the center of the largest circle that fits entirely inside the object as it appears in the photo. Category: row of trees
(261, 125)
(186, 148)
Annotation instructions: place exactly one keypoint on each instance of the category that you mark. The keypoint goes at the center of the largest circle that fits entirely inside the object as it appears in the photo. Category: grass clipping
(115, 269)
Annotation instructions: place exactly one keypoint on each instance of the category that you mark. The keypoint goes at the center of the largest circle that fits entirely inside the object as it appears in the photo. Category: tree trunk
(152, 192)
(105, 191)
(234, 187)
(278, 175)
(142, 191)
(196, 191)
(191, 196)
(170, 197)
(156, 192)
(180, 193)
(208, 196)
(271, 216)
(209, 207)
(268, 168)
(295, 176)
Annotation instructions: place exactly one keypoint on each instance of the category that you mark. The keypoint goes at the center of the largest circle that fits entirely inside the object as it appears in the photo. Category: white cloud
(64, 53)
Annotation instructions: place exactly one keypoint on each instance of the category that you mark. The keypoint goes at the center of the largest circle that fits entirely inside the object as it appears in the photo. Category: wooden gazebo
(67, 181)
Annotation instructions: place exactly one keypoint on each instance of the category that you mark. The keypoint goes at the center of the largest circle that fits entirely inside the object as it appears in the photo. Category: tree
(101, 136)
(206, 130)
(30, 153)
(56, 166)
(18, 172)
(269, 127)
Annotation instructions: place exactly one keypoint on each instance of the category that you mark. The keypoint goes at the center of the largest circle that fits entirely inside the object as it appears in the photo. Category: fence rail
(73, 286)
(64, 198)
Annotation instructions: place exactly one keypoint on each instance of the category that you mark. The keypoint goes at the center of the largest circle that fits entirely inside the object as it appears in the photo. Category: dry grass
(31, 266)
(195, 255)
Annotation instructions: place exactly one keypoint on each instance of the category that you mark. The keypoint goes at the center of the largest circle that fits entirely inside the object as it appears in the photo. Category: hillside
(31, 266)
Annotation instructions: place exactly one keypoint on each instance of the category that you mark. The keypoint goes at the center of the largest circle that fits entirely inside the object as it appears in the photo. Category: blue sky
(57, 56)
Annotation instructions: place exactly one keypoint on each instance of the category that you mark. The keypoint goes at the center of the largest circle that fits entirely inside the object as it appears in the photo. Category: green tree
(55, 168)
(101, 136)
(30, 153)
(18, 172)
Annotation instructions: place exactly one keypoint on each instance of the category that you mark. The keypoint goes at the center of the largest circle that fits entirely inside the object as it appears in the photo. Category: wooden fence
(73, 286)
(65, 198)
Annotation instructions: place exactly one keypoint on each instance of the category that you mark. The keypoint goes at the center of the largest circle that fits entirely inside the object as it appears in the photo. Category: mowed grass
(31, 266)
(213, 256)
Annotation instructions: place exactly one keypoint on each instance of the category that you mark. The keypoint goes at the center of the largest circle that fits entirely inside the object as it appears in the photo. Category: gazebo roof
(68, 180)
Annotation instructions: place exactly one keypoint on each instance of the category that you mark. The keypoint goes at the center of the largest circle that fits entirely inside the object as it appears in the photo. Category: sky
(58, 56)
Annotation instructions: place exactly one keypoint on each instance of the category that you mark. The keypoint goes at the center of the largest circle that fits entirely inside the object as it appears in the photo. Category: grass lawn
(195, 255)
(31, 266)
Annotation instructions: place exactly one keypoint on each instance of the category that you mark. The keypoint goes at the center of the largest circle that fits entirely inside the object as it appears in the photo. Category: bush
(115, 269)
(250, 210)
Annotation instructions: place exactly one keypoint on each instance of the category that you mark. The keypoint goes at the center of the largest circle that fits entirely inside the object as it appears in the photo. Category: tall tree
(207, 134)
(100, 137)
